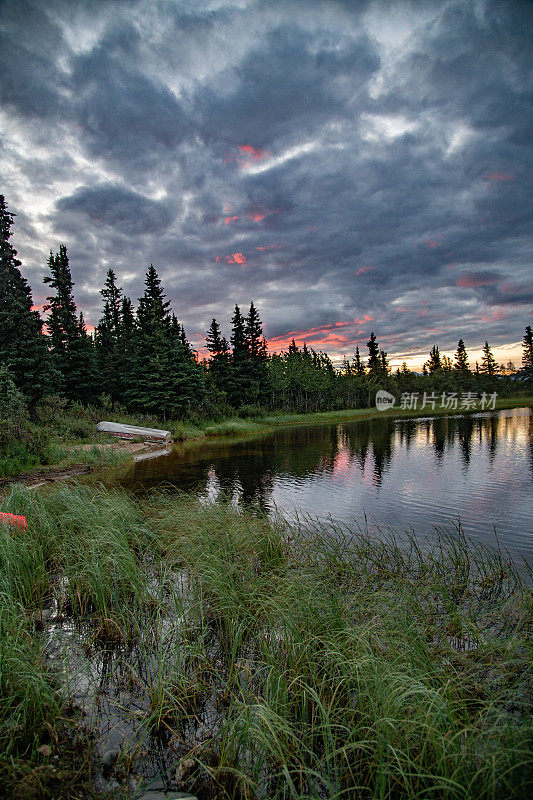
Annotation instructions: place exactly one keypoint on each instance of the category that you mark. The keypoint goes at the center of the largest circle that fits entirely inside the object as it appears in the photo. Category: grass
(271, 660)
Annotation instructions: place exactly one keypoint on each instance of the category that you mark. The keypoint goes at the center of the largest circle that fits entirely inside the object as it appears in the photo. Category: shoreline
(95, 455)
(267, 423)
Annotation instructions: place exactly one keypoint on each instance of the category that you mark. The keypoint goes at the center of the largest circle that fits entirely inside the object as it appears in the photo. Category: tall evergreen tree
(107, 338)
(527, 351)
(83, 364)
(239, 356)
(126, 349)
(238, 341)
(149, 389)
(254, 335)
(489, 366)
(153, 308)
(166, 378)
(461, 359)
(257, 357)
(434, 362)
(23, 346)
(68, 339)
(188, 377)
(358, 366)
(374, 359)
(219, 364)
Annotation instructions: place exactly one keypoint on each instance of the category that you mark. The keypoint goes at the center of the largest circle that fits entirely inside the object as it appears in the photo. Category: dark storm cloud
(117, 207)
(31, 80)
(124, 116)
(369, 164)
(287, 86)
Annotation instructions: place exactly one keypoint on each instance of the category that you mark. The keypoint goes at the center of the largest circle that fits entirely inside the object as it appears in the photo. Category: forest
(140, 361)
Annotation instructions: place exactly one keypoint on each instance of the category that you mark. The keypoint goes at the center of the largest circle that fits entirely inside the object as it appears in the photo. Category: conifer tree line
(140, 360)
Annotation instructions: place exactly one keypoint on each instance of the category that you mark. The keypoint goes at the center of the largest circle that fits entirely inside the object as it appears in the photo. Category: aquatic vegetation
(243, 657)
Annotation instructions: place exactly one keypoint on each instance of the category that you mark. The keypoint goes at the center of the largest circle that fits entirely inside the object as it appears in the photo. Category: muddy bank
(40, 477)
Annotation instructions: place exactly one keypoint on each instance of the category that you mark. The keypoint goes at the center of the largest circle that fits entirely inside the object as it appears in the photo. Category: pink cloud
(471, 280)
(246, 155)
(495, 316)
(433, 242)
(252, 152)
(500, 177)
(236, 258)
(364, 269)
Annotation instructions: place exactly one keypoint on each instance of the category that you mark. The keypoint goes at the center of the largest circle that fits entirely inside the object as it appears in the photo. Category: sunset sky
(350, 166)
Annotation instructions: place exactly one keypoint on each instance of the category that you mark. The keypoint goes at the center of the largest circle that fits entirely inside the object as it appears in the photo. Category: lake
(405, 473)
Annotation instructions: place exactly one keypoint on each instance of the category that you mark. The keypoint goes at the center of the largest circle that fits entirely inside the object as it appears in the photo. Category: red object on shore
(13, 519)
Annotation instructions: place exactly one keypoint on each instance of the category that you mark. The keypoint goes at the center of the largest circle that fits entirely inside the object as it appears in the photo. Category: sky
(347, 165)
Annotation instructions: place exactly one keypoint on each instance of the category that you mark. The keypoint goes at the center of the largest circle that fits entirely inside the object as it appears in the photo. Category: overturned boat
(132, 432)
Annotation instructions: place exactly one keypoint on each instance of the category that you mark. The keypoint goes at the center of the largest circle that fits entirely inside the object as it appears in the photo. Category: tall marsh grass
(279, 660)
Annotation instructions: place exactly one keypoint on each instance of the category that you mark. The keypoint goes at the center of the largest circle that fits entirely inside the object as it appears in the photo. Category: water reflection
(422, 472)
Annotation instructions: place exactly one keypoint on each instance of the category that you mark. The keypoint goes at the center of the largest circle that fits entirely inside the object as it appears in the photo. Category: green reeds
(281, 660)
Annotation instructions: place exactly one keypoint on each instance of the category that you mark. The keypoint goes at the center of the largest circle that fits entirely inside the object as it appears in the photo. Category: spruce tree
(257, 357)
(358, 365)
(149, 389)
(434, 363)
(166, 378)
(153, 308)
(374, 359)
(489, 366)
(187, 388)
(83, 365)
(238, 379)
(72, 349)
(254, 334)
(527, 352)
(126, 349)
(461, 359)
(23, 346)
(107, 338)
(219, 363)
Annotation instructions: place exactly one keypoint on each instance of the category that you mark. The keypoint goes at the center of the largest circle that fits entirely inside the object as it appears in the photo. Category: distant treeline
(141, 360)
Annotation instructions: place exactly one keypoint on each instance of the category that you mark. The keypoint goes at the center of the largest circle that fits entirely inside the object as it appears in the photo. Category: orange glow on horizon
(321, 336)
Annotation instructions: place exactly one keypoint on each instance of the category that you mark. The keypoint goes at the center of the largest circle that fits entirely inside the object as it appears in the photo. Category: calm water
(402, 473)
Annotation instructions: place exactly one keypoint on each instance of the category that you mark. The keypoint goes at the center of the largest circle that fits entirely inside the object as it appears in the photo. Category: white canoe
(132, 431)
